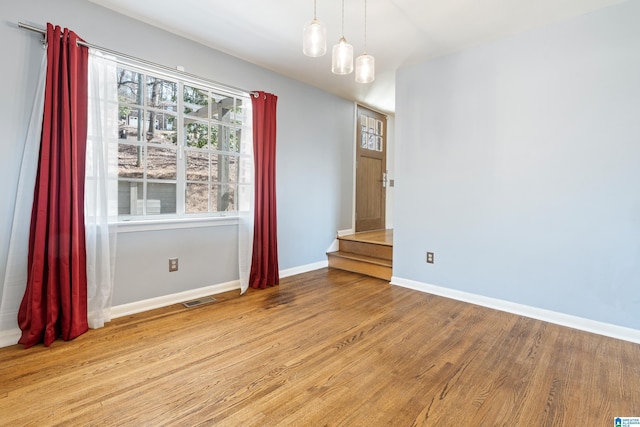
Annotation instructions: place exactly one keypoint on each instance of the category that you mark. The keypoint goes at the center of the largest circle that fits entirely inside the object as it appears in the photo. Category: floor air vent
(197, 302)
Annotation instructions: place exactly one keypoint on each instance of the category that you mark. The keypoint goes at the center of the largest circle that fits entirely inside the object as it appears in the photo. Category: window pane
(232, 178)
(196, 102)
(196, 134)
(223, 198)
(197, 198)
(245, 196)
(226, 138)
(237, 114)
(129, 83)
(161, 198)
(161, 94)
(130, 198)
(222, 107)
(224, 168)
(129, 127)
(130, 161)
(197, 166)
(245, 173)
(245, 142)
(163, 130)
(215, 130)
(161, 163)
(234, 140)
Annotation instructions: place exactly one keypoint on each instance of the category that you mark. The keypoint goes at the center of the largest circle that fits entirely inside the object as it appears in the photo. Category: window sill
(174, 223)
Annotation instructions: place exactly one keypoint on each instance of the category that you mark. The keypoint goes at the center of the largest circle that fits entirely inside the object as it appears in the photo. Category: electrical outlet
(173, 264)
(430, 257)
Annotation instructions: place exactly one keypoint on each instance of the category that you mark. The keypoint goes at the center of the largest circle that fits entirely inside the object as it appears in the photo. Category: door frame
(389, 126)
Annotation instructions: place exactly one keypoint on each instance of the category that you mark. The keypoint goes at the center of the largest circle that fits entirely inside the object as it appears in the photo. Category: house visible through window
(179, 148)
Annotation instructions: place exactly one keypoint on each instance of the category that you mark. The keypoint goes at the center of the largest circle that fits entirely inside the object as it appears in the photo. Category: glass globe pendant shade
(365, 68)
(314, 38)
(342, 58)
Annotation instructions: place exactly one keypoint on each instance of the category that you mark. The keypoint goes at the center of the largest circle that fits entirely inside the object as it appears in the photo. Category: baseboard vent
(199, 301)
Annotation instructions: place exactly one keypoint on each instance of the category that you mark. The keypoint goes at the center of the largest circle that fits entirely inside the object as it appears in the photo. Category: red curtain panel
(264, 264)
(55, 300)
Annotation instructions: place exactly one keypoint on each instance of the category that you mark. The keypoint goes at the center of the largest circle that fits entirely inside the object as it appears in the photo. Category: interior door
(371, 161)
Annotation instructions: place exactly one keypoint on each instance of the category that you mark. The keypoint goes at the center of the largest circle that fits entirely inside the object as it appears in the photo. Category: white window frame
(181, 219)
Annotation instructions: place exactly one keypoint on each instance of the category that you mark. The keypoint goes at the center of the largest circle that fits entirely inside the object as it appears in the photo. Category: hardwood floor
(324, 348)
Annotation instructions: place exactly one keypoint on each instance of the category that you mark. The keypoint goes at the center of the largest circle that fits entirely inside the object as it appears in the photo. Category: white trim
(575, 322)
(390, 155)
(335, 245)
(346, 232)
(303, 269)
(124, 226)
(148, 67)
(165, 300)
(354, 165)
(9, 337)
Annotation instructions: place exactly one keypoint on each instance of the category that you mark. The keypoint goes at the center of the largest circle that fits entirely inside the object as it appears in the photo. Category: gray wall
(314, 154)
(518, 164)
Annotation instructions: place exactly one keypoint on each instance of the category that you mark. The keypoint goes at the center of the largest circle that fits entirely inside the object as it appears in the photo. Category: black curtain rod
(141, 61)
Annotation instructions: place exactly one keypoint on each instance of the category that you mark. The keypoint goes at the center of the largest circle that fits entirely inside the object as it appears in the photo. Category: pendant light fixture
(342, 55)
(365, 64)
(314, 36)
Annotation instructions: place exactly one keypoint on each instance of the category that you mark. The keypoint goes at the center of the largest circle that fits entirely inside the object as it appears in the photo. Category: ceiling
(399, 32)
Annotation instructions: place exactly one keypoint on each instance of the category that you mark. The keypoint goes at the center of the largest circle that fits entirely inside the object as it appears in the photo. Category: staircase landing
(369, 253)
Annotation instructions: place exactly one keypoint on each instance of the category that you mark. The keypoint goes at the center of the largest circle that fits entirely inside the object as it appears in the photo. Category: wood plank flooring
(327, 347)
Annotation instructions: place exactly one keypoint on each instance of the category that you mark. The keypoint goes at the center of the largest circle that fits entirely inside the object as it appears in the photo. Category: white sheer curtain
(101, 187)
(246, 199)
(15, 278)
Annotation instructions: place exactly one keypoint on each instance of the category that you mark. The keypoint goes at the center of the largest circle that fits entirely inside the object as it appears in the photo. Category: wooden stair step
(363, 264)
(364, 258)
(370, 249)
(369, 253)
(378, 237)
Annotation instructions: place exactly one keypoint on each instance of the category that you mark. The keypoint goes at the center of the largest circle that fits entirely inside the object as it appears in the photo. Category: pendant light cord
(342, 18)
(365, 27)
(315, 15)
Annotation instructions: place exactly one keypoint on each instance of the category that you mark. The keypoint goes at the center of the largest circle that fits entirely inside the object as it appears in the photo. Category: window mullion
(142, 90)
(181, 187)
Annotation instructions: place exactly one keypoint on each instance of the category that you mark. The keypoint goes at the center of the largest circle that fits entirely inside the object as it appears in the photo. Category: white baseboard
(9, 337)
(346, 232)
(303, 269)
(575, 322)
(165, 300)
